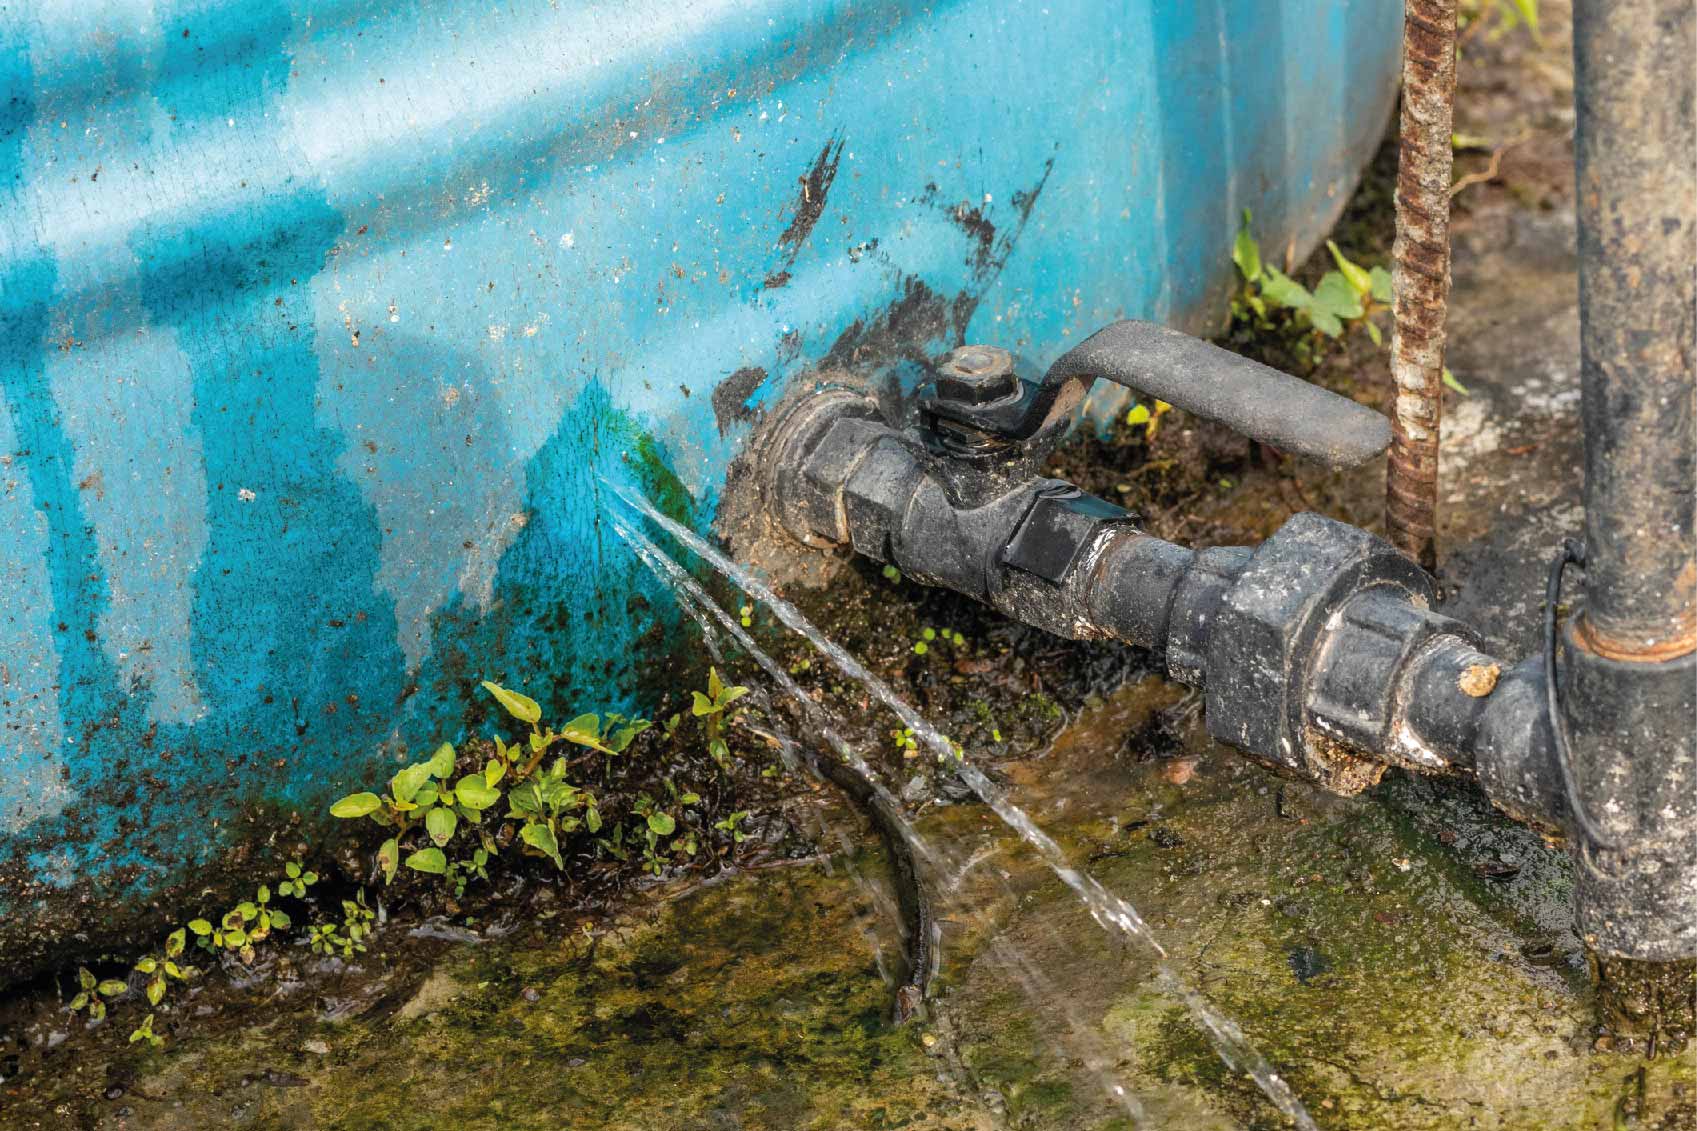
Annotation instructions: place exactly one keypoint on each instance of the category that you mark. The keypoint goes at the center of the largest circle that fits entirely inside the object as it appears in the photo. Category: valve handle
(1252, 399)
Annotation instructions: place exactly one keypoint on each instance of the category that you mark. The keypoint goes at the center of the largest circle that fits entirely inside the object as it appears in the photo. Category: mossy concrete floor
(1405, 959)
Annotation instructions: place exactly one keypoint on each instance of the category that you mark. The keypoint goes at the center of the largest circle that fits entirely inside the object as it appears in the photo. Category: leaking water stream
(700, 607)
(1110, 911)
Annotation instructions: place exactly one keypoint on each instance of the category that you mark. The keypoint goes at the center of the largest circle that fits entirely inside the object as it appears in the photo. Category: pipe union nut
(1268, 635)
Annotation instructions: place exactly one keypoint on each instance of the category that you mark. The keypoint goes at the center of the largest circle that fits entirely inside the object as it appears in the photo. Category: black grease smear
(730, 397)
(904, 329)
(809, 206)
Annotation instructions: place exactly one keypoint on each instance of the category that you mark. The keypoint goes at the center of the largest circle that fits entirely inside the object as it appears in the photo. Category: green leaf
(280, 920)
(1382, 288)
(427, 795)
(592, 819)
(558, 793)
(1528, 10)
(356, 805)
(156, 990)
(1336, 296)
(493, 773)
(701, 704)
(690, 798)
(440, 823)
(476, 793)
(715, 687)
(1246, 253)
(585, 730)
(79, 1001)
(1354, 274)
(144, 1032)
(1139, 414)
(1373, 332)
(428, 860)
(1451, 382)
(146, 966)
(541, 838)
(292, 870)
(442, 762)
(1326, 322)
(521, 707)
(406, 784)
(389, 858)
(731, 695)
(111, 987)
(200, 927)
(621, 738)
(661, 824)
(1280, 289)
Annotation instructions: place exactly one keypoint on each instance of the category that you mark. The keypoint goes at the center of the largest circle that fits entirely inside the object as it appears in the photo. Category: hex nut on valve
(977, 375)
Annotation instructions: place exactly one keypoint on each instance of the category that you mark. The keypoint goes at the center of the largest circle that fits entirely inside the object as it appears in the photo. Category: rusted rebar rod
(1420, 270)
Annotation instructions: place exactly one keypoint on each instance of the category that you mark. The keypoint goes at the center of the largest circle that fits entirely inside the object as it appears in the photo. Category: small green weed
(429, 808)
(346, 938)
(93, 994)
(1349, 295)
(448, 823)
(733, 825)
(710, 708)
(1345, 298)
(144, 1032)
(1502, 16)
(929, 636)
(162, 969)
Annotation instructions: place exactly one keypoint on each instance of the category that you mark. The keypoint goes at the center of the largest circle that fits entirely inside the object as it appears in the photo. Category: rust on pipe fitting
(1587, 636)
(1420, 271)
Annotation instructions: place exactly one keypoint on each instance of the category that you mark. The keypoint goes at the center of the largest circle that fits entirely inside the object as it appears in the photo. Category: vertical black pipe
(1635, 70)
(1629, 667)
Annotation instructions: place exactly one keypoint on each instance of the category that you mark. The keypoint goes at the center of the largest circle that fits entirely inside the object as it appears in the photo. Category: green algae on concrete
(1396, 980)
(1383, 971)
(753, 1004)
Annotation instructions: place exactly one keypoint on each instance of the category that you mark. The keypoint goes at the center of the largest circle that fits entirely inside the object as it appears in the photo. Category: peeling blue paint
(321, 320)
